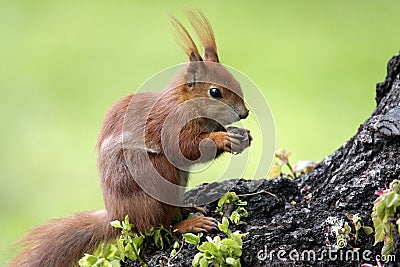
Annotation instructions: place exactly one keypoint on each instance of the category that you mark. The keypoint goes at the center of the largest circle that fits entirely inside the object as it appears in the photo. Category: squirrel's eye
(215, 92)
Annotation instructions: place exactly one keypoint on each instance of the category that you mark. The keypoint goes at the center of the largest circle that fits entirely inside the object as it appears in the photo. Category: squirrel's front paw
(197, 223)
(238, 139)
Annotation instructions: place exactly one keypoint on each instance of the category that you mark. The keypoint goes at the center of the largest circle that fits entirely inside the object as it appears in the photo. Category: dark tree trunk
(343, 183)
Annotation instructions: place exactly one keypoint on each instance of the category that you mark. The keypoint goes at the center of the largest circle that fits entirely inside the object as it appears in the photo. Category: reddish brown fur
(63, 241)
(131, 150)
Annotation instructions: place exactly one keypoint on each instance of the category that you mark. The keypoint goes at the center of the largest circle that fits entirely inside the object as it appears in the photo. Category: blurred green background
(64, 62)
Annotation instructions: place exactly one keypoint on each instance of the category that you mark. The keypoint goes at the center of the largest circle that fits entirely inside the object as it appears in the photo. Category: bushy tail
(64, 241)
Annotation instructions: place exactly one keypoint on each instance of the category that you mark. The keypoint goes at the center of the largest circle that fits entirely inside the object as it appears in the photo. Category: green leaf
(121, 248)
(237, 252)
(224, 226)
(379, 230)
(208, 255)
(209, 239)
(388, 246)
(232, 262)
(150, 231)
(241, 203)
(116, 224)
(177, 245)
(210, 247)
(394, 185)
(381, 209)
(217, 240)
(237, 236)
(137, 241)
(173, 253)
(203, 262)
(229, 197)
(92, 261)
(387, 227)
(235, 217)
(242, 211)
(129, 252)
(87, 260)
(368, 230)
(158, 239)
(162, 236)
(230, 243)
(112, 252)
(99, 250)
(126, 226)
(224, 249)
(115, 263)
(197, 258)
(392, 199)
(192, 238)
(126, 220)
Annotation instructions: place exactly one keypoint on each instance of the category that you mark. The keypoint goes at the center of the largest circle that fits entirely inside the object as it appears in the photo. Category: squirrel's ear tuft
(185, 40)
(204, 32)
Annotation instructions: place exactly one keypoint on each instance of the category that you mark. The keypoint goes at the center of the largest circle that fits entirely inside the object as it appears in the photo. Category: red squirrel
(139, 143)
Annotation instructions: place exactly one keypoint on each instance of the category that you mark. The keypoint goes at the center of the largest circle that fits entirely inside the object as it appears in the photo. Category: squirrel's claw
(194, 209)
(197, 224)
(238, 139)
(202, 210)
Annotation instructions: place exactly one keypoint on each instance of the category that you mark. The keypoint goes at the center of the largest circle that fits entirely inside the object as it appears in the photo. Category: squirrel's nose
(244, 114)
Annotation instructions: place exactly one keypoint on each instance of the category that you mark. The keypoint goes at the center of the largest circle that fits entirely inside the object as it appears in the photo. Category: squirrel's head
(205, 78)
